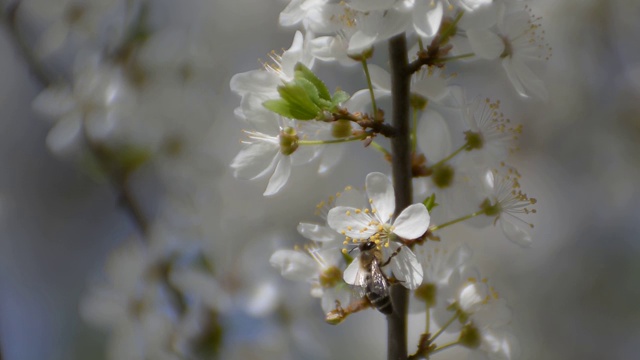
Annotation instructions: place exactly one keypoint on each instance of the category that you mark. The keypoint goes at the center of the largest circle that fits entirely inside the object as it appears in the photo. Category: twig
(401, 171)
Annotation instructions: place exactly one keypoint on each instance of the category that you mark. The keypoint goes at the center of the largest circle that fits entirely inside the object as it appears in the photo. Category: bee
(371, 280)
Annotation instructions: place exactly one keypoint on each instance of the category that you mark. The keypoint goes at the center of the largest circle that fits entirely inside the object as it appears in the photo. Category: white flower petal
(412, 222)
(293, 265)
(532, 83)
(350, 274)
(53, 38)
(406, 267)
(256, 81)
(255, 160)
(316, 232)
(360, 100)
(515, 230)
(434, 138)
(381, 194)
(54, 102)
(280, 175)
(360, 42)
(426, 18)
(371, 5)
(380, 78)
(65, 138)
(353, 222)
(510, 69)
(331, 156)
(485, 43)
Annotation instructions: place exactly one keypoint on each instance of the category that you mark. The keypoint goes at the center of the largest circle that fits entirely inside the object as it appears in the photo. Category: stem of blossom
(120, 181)
(428, 325)
(380, 148)
(443, 347)
(451, 156)
(414, 130)
(365, 67)
(452, 58)
(332, 141)
(444, 327)
(401, 172)
(455, 221)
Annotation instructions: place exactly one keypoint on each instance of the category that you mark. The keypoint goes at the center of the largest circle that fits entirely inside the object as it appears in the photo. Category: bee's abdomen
(380, 302)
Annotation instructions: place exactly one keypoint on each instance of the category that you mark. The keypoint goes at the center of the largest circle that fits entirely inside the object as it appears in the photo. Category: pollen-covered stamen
(507, 197)
(491, 127)
(530, 41)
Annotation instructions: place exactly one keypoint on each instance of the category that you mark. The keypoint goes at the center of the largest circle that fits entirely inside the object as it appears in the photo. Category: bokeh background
(575, 293)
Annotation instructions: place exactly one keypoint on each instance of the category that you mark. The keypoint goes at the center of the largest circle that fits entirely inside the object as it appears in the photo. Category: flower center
(288, 141)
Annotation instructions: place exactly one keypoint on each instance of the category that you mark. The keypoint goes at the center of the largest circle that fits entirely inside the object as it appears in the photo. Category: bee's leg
(392, 255)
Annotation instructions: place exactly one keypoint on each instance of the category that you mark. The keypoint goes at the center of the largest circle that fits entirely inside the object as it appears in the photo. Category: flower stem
(428, 325)
(414, 131)
(444, 327)
(451, 156)
(332, 141)
(444, 347)
(401, 172)
(365, 67)
(455, 221)
(380, 148)
(452, 58)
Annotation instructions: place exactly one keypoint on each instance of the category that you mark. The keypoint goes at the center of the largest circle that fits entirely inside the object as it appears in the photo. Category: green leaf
(339, 97)
(281, 107)
(430, 202)
(298, 99)
(304, 72)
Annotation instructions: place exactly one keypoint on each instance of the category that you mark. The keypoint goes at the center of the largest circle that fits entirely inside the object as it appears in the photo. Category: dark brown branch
(401, 171)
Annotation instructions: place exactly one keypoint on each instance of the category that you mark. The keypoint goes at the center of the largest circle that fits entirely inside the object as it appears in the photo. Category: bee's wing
(379, 282)
(356, 276)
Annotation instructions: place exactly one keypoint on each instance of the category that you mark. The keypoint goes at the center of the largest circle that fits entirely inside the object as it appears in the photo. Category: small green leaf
(281, 107)
(430, 202)
(304, 72)
(339, 97)
(309, 89)
(299, 100)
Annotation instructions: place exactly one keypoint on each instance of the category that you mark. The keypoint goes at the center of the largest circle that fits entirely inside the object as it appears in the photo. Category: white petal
(533, 84)
(53, 38)
(434, 138)
(360, 42)
(360, 100)
(508, 65)
(293, 265)
(483, 16)
(472, 295)
(380, 78)
(350, 274)
(353, 222)
(263, 300)
(515, 230)
(255, 160)
(370, 5)
(258, 81)
(426, 18)
(380, 193)
(54, 102)
(485, 43)
(331, 156)
(65, 138)
(293, 13)
(316, 232)
(412, 222)
(406, 267)
(280, 176)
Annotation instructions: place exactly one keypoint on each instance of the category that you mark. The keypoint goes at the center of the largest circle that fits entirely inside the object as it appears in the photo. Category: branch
(401, 171)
